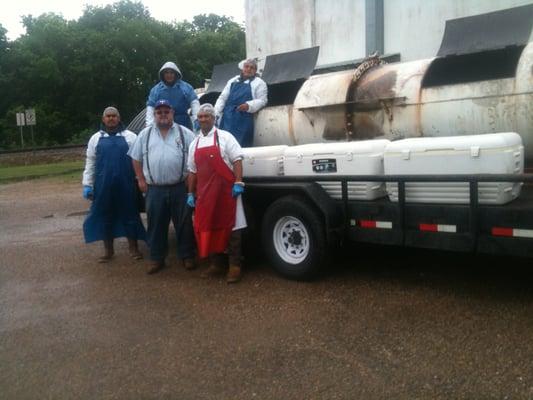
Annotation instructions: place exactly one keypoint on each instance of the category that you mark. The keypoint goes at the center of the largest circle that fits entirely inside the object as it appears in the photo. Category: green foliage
(69, 71)
(23, 172)
(3, 39)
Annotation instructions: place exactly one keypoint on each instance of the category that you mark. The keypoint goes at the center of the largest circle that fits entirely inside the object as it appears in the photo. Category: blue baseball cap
(162, 103)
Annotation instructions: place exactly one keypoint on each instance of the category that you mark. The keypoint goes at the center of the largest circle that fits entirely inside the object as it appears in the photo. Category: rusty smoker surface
(390, 101)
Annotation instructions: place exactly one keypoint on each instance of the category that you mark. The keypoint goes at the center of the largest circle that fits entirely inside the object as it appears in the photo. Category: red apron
(214, 216)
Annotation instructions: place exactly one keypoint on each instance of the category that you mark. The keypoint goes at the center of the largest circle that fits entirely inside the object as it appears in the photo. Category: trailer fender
(331, 210)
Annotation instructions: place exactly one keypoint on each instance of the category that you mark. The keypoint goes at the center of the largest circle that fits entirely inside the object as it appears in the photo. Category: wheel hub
(291, 239)
(295, 238)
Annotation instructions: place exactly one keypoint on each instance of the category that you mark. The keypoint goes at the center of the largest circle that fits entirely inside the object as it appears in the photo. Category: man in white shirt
(215, 188)
(243, 95)
(109, 181)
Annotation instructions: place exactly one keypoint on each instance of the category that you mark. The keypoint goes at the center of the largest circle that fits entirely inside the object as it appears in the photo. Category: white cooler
(495, 153)
(263, 161)
(342, 158)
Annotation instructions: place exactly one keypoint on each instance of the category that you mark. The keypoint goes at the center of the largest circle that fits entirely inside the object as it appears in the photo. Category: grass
(68, 170)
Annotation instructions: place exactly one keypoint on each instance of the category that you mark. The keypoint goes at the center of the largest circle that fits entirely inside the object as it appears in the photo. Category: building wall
(426, 22)
(278, 26)
(413, 28)
(340, 30)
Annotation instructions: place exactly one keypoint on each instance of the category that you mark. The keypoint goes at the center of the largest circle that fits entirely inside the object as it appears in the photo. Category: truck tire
(294, 238)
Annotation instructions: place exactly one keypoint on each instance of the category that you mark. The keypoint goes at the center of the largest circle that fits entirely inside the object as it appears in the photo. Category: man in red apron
(215, 186)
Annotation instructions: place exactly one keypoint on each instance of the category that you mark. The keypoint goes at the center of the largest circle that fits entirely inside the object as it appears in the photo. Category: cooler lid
(338, 148)
(264, 151)
(456, 143)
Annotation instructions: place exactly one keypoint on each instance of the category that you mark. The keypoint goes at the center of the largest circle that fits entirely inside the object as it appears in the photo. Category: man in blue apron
(243, 95)
(109, 181)
(177, 92)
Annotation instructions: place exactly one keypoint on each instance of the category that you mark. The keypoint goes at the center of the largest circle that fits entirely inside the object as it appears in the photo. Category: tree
(71, 70)
(3, 39)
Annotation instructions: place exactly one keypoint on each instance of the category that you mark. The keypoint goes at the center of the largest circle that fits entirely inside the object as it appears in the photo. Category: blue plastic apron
(239, 123)
(114, 211)
(174, 94)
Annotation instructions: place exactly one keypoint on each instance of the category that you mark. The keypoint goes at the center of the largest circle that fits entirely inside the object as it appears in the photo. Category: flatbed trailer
(300, 223)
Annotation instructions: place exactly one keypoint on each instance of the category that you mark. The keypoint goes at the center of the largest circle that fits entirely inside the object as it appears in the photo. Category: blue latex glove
(190, 200)
(237, 190)
(87, 192)
(196, 125)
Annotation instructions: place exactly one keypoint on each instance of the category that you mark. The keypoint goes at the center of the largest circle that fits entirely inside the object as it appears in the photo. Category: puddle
(78, 213)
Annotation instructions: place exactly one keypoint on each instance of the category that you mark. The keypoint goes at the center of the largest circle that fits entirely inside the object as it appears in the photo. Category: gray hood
(172, 66)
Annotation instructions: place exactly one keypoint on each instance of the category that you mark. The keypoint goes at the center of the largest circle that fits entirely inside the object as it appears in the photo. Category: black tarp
(284, 73)
(485, 32)
(222, 73)
(291, 66)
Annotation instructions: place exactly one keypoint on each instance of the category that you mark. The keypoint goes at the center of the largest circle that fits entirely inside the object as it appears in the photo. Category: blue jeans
(164, 203)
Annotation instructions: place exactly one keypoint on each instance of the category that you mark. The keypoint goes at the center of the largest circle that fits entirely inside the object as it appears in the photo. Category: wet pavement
(384, 323)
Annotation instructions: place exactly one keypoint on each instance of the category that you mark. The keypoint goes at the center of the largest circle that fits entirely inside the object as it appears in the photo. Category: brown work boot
(109, 251)
(215, 268)
(133, 249)
(189, 263)
(234, 274)
(155, 266)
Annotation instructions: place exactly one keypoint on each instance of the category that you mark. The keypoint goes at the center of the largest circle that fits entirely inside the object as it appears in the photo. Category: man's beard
(206, 130)
(164, 124)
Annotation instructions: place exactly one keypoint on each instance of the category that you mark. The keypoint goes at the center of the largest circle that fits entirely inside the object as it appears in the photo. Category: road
(384, 323)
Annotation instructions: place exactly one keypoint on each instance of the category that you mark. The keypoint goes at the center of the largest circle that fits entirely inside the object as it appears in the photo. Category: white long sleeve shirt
(90, 161)
(259, 95)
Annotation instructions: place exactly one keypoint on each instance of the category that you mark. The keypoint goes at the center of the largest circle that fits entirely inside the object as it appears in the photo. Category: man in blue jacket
(177, 92)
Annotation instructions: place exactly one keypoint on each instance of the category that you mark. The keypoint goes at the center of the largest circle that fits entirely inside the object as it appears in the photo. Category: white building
(348, 30)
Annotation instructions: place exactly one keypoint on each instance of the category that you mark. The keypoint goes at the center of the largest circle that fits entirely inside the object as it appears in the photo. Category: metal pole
(21, 138)
(374, 27)
(32, 140)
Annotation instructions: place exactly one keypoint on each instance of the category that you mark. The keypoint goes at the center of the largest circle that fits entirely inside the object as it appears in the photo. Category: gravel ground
(384, 323)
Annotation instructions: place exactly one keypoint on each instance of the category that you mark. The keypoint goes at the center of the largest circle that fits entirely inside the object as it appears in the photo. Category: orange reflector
(429, 227)
(367, 224)
(502, 231)
(438, 228)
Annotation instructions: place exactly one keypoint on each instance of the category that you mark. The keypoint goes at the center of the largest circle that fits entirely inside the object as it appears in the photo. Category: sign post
(31, 121)
(21, 123)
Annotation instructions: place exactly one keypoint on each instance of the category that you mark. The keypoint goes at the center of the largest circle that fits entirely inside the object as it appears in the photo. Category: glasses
(165, 112)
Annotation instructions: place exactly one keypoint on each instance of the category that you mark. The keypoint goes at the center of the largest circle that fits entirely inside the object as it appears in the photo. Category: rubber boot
(155, 266)
(134, 249)
(234, 274)
(108, 251)
(215, 267)
(189, 263)
(235, 257)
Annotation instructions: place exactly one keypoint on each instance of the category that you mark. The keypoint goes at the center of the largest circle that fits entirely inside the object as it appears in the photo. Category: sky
(173, 10)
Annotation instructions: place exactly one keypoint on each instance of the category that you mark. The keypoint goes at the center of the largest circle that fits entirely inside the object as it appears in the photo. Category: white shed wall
(278, 26)
(340, 30)
(413, 28)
